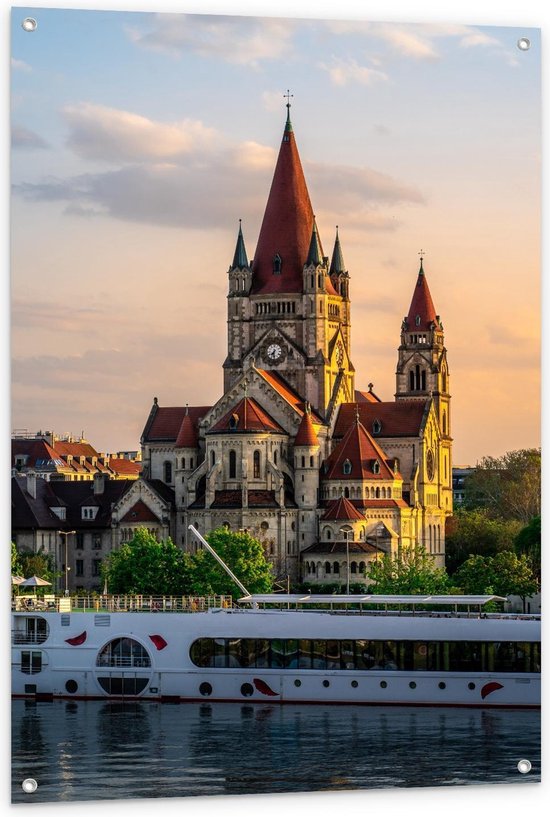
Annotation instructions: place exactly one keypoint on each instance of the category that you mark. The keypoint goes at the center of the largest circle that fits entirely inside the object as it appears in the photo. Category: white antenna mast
(211, 550)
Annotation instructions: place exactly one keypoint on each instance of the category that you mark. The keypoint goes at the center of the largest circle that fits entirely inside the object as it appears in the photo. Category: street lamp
(66, 534)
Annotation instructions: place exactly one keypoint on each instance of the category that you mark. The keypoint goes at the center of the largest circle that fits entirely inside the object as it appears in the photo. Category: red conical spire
(187, 436)
(286, 229)
(306, 432)
(422, 310)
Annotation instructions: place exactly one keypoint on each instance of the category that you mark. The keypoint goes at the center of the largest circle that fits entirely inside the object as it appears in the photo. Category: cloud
(408, 42)
(20, 65)
(25, 139)
(341, 72)
(98, 132)
(240, 40)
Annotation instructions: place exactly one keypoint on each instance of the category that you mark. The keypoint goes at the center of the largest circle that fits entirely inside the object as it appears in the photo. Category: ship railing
(24, 637)
(114, 603)
(124, 661)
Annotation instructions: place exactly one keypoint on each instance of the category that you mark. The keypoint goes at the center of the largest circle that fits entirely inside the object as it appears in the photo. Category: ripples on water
(90, 750)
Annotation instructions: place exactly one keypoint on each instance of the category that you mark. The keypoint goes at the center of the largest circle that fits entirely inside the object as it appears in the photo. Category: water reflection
(89, 750)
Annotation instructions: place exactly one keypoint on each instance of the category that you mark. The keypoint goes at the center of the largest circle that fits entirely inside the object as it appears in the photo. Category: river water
(92, 750)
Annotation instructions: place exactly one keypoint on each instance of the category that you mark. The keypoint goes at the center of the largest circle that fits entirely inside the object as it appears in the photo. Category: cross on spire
(288, 96)
(421, 254)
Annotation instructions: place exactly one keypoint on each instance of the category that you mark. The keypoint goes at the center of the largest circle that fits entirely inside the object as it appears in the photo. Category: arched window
(256, 464)
(212, 458)
(303, 462)
(168, 472)
(411, 380)
(183, 463)
(346, 467)
(327, 568)
(362, 567)
(232, 465)
(376, 467)
(123, 652)
(336, 567)
(277, 264)
(275, 457)
(347, 533)
(443, 381)
(353, 567)
(376, 427)
(328, 533)
(346, 493)
(444, 422)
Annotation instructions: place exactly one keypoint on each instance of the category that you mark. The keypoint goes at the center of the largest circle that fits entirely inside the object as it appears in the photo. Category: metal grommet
(30, 785)
(524, 44)
(524, 766)
(29, 24)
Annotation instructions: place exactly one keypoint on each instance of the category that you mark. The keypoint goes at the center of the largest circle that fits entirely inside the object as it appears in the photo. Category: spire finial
(421, 254)
(288, 96)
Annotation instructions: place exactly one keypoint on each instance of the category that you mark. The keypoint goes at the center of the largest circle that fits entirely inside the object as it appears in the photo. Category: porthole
(383, 684)
(326, 683)
(247, 690)
(297, 683)
(442, 685)
(412, 684)
(71, 686)
(355, 684)
(471, 685)
(205, 688)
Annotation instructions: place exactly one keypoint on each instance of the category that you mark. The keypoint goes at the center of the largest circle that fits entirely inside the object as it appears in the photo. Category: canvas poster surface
(275, 405)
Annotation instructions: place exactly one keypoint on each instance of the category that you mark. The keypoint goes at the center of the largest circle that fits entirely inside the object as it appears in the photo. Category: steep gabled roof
(422, 310)
(166, 422)
(277, 382)
(287, 224)
(246, 416)
(355, 457)
(140, 512)
(402, 418)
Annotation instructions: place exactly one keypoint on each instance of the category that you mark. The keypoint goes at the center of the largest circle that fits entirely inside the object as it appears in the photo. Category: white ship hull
(312, 657)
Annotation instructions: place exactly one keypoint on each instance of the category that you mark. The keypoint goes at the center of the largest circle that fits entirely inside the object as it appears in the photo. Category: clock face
(274, 351)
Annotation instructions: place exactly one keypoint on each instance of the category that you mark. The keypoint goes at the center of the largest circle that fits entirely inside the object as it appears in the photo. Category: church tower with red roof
(423, 373)
(288, 309)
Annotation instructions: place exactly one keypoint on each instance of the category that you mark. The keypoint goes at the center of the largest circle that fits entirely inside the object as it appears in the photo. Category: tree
(146, 566)
(16, 568)
(475, 532)
(528, 543)
(37, 564)
(504, 574)
(410, 573)
(244, 556)
(507, 486)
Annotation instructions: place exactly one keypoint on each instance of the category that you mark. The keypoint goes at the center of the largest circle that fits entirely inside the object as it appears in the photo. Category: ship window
(31, 661)
(123, 652)
(122, 685)
(405, 655)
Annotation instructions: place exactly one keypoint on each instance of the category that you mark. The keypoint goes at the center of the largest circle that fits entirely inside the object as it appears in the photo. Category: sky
(140, 139)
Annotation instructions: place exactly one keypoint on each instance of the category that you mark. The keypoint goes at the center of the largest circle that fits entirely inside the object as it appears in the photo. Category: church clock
(273, 353)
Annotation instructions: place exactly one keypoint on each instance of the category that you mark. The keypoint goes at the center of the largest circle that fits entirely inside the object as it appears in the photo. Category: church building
(327, 476)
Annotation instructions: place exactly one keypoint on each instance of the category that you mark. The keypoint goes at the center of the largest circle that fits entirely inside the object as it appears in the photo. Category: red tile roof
(233, 499)
(247, 416)
(342, 509)
(167, 421)
(359, 449)
(287, 225)
(287, 393)
(140, 512)
(422, 306)
(306, 432)
(366, 397)
(403, 418)
(123, 466)
(342, 547)
(187, 435)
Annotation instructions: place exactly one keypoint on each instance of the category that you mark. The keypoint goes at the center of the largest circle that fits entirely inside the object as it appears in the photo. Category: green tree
(37, 564)
(528, 543)
(477, 533)
(507, 486)
(412, 572)
(16, 567)
(504, 574)
(244, 556)
(146, 566)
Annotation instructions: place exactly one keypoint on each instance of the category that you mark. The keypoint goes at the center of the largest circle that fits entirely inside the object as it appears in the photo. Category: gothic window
(303, 462)
(183, 462)
(347, 533)
(444, 381)
(168, 472)
(346, 493)
(423, 380)
(353, 567)
(336, 567)
(346, 467)
(232, 465)
(376, 427)
(417, 320)
(256, 464)
(212, 458)
(362, 567)
(277, 264)
(378, 493)
(312, 282)
(275, 457)
(327, 568)
(444, 422)
(311, 462)
(328, 534)
(411, 380)
(376, 467)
